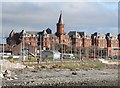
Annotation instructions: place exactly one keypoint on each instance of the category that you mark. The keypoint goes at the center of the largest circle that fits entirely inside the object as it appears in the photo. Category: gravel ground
(55, 76)
(63, 77)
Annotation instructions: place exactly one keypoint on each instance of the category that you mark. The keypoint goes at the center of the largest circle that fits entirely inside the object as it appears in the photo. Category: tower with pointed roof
(60, 28)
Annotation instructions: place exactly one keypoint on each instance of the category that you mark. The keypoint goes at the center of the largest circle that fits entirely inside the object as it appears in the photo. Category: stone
(1, 75)
(7, 73)
(74, 73)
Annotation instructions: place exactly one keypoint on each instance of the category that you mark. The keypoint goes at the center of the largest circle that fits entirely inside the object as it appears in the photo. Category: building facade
(93, 44)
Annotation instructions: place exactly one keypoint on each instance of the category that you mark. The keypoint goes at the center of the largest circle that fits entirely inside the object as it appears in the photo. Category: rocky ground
(37, 76)
(64, 77)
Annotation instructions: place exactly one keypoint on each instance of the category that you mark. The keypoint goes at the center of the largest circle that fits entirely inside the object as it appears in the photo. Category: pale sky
(89, 17)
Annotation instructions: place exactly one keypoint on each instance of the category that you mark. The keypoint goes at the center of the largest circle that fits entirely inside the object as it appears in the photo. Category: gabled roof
(32, 32)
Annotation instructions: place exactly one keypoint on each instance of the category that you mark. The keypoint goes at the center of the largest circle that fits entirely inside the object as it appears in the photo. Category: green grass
(81, 65)
(48, 59)
(51, 59)
(31, 59)
(10, 59)
(71, 65)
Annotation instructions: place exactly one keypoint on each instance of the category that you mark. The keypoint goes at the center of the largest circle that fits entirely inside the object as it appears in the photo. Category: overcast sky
(89, 17)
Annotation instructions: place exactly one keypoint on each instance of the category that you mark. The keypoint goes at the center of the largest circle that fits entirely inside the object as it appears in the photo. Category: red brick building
(112, 44)
(45, 40)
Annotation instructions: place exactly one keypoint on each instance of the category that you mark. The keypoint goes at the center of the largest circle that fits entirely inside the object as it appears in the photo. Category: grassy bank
(69, 65)
(82, 65)
(66, 64)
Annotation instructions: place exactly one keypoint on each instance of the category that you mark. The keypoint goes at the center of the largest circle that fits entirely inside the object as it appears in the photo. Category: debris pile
(7, 65)
(7, 75)
(110, 62)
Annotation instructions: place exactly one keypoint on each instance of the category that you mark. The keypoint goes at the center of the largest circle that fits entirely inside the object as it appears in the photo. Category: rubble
(1, 75)
(6, 68)
(7, 65)
(7, 73)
